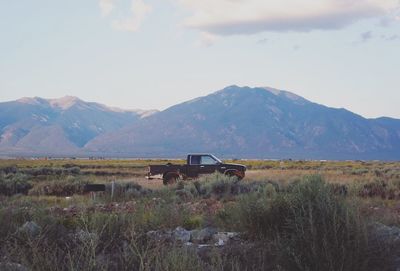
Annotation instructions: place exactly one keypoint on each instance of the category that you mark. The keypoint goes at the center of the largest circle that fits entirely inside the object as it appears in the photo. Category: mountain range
(235, 122)
(60, 127)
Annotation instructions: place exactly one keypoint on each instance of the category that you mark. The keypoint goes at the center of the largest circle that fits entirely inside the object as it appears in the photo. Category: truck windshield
(208, 160)
(217, 159)
(204, 160)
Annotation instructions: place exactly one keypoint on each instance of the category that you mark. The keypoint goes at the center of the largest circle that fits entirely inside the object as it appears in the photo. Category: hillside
(236, 122)
(254, 123)
(37, 126)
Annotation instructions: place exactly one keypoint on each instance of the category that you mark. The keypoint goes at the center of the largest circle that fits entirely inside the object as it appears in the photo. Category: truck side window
(195, 160)
(207, 160)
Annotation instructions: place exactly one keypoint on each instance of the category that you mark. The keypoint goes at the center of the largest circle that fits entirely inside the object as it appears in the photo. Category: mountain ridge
(241, 122)
(265, 125)
(66, 123)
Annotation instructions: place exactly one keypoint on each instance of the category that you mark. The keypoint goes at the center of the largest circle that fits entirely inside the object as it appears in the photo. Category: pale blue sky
(156, 53)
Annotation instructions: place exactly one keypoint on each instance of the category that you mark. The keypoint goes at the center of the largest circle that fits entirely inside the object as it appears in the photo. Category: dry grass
(123, 221)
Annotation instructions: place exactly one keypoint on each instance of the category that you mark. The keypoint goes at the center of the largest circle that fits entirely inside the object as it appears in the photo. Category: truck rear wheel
(170, 178)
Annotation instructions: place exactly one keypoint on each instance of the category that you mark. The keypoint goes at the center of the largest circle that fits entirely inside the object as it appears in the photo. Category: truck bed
(161, 169)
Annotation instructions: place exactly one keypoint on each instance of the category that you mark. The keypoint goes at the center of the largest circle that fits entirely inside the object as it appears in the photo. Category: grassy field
(290, 215)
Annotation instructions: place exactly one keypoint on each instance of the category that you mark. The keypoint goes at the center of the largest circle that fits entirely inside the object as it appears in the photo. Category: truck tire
(235, 173)
(170, 178)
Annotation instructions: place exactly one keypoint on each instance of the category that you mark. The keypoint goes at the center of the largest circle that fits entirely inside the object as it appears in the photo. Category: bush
(9, 170)
(217, 185)
(62, 187)
(178, 259)
(46, 171)
(126, 190)
(11, 184)
(380, 188)
(311, 227)
(322, 232)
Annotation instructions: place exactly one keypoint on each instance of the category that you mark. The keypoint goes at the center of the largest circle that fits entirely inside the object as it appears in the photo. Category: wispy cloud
(207, 39)
(139, 10)
(228, 17)
(263, 41)
(391, 38)
(296, 47)
(106, 6)
(366, 36)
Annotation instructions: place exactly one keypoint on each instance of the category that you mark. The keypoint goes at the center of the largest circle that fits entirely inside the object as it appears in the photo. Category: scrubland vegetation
(287, 215)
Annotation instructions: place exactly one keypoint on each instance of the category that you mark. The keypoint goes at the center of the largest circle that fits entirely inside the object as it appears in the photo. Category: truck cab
(201, 164)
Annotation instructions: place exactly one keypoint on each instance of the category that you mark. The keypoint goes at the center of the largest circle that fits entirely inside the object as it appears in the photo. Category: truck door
(208, 164)
(193, 166)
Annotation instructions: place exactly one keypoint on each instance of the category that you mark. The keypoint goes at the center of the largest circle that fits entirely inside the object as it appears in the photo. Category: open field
(285, 215)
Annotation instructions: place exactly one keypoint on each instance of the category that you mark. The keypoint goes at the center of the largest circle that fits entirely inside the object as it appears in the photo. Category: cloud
(366, 36)
(106, 6)
(139, 11)
(391, 38)
(228, 17)
(207, 39)
(263, 41)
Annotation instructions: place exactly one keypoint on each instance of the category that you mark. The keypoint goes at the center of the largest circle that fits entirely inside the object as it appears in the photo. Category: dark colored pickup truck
(197, 164)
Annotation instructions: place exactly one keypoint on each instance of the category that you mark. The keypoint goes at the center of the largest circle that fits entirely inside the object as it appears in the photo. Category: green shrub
(9, 170)
(311, 227)
(259, 216)
(48, 171)
(126, 190)
(322, 232)
(193, 222)
(59, 187)
(218, 185)
(359, 171)
(379, 187)
(178, 259)
(12, 184)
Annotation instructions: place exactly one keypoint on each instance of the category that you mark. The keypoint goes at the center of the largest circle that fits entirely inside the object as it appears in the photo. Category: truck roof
(201, 154)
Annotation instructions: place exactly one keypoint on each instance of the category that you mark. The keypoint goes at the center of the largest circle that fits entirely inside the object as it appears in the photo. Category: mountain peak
(31, 100)
(277, 92)
(64, 102)
(287, 94)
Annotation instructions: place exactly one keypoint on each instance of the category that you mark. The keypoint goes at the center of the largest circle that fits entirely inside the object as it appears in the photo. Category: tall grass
(311, 227)
(11, 184)
(304, 225)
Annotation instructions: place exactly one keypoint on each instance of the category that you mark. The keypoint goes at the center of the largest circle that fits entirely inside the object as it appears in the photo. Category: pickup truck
(196, 164)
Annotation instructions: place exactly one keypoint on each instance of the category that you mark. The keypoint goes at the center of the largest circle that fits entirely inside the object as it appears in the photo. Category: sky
(152, 54)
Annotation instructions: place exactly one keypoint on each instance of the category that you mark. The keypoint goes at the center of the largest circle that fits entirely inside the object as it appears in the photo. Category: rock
(203, 236)
(387, 233)
(222, 238)
(204, 246)
(388, 238)
(31, 228)
(181, 235)
(85, 236)
(12, 267)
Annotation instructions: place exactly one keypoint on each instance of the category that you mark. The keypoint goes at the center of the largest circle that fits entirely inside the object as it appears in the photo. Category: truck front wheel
(170, 178)
(235, 173)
